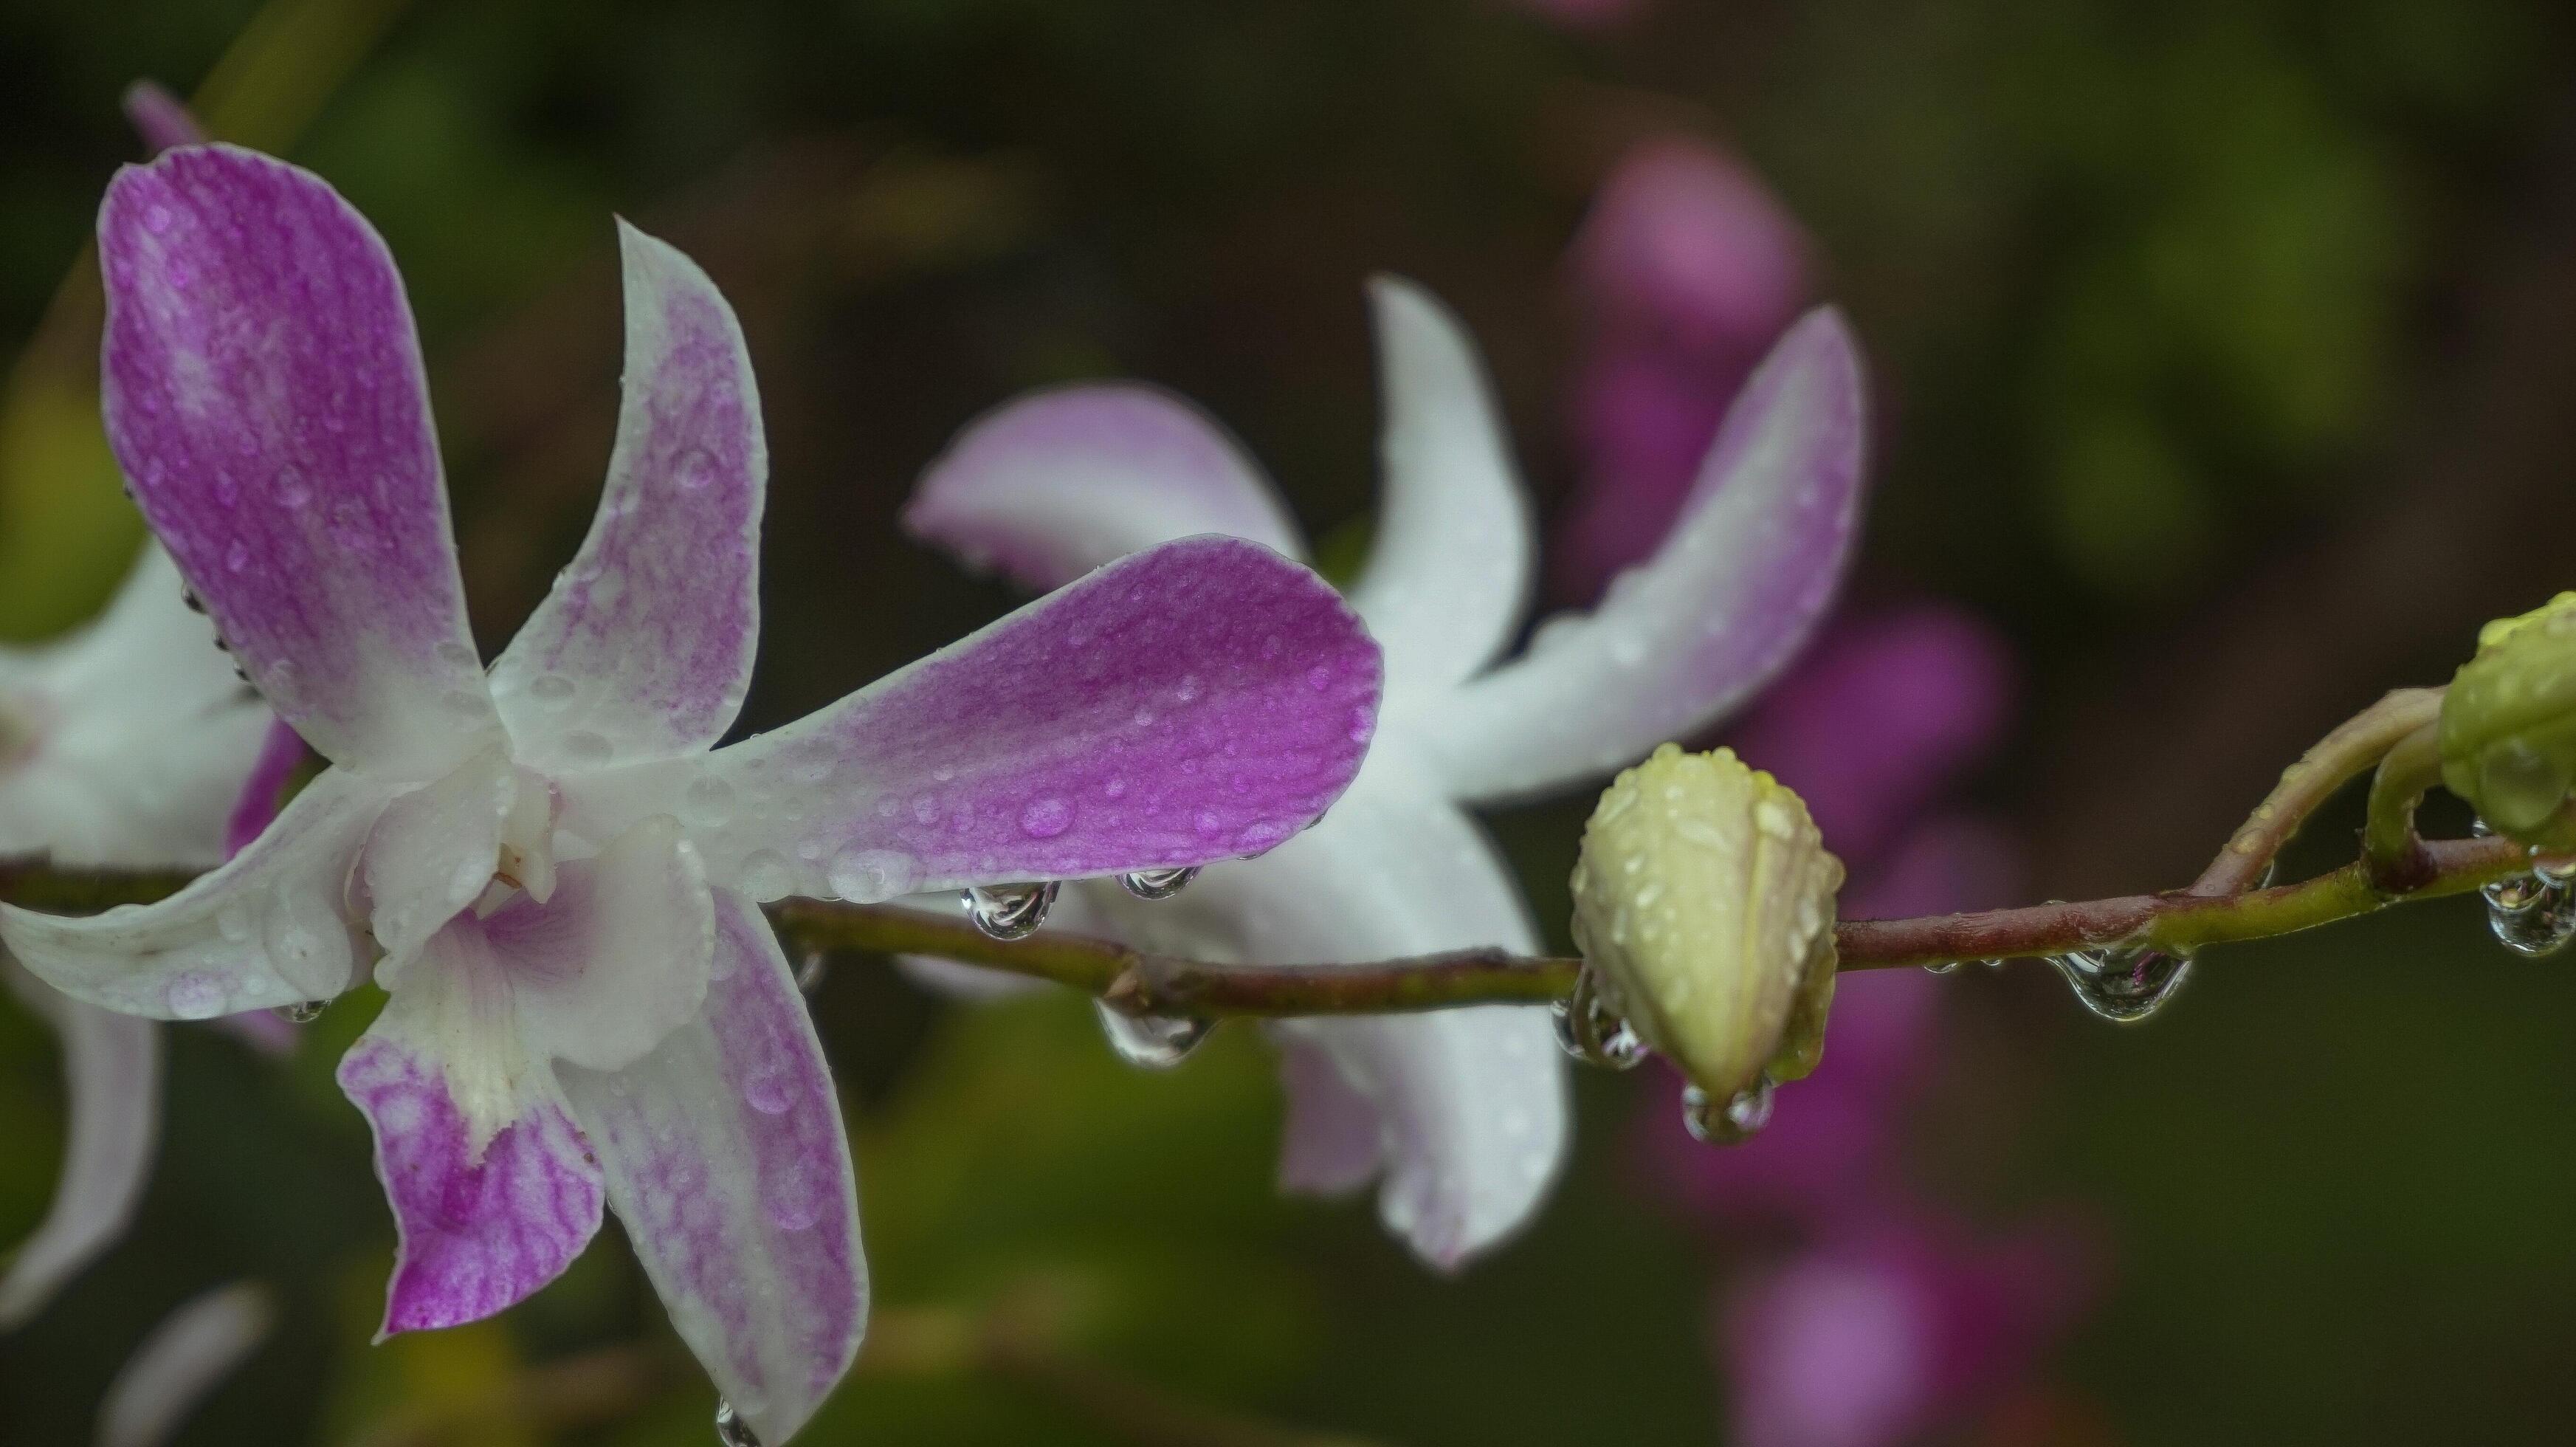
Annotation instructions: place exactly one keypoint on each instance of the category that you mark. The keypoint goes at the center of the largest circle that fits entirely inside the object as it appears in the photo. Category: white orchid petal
(112, 1075)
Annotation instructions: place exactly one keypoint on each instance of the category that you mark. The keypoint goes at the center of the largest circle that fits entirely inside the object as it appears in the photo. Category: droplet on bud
(1728, 1122)
(1011, 911)
(731, 1429)
(1151, 1042)
(1590, 1031)
(2124, 983)
(302, 1012)
(1157, 883)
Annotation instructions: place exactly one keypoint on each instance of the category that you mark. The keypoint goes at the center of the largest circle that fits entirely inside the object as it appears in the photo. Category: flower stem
(2397, 735)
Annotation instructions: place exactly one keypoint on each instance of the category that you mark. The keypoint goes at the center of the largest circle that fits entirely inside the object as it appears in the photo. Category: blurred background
(2223, 356)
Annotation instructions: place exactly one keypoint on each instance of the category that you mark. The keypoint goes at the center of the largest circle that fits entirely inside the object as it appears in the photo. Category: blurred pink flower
(1885, 1337)
(1685, 272)
(1585, 14)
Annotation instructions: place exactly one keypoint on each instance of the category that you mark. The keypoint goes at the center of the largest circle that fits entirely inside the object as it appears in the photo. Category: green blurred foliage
(2147, 287)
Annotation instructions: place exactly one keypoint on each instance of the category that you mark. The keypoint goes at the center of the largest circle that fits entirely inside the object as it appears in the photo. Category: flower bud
(1704, 904)
(2509, 724)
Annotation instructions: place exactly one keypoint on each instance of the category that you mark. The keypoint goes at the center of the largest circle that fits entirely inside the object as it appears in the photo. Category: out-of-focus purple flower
(1685, 271)
(1880, 1339)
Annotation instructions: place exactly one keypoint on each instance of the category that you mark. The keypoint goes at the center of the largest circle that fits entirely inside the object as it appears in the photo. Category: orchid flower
(1463, 1111)
(550, 868)
(121, 745)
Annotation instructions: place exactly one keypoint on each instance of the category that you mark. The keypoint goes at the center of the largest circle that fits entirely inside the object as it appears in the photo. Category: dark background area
(2225, 355)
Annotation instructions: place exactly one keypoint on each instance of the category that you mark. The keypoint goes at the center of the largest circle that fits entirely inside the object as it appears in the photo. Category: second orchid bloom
(548, 864)
(1463, 1112)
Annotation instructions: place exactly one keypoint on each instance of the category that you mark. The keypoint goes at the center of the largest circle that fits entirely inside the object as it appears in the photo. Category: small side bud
(2509, 725)
(1704, 904)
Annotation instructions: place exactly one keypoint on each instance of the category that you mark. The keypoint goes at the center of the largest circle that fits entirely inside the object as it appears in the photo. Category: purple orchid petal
(1902, 1332)
(160, 118)
(264, 395)
(727, 1163)
(1720, 609)
(141, 734)
(1468, 1107)
(184, 1359)
(264, 792)
(644, 647)
(263, 930)
(493, 1188)
(1449, 573)
(618, 958)
(1329, 1143)
(112, 1076)
(1199, 701)
(1879, 717)
(1055, 484)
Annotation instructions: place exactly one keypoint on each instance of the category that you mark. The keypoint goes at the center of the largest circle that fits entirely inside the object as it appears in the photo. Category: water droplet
(811, 970)
(463, 705)
(1207, 824)
(1046, 818)
(582, 746)
(1590, 1031)
(766, 1091)
(233, 923)
(1011, 911)
(864, 876)
(710, 800)
(797, 1202)
(1151, 1042)
(157, 219)
(194, 603)
(237, 557)
(1157, 883)
(459, 655)
(552, 689)
(1941, 967)
(302, 1012)
(731, 1429)
(2532, 914)
(1729, 1122)
(193, 995)
(292, 491)
(2123, 983)
(697, 471)
(766, 875)
(1319, 678)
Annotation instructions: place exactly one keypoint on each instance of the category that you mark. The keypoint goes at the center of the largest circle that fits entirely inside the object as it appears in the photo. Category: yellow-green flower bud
(2509, 724)
(1704, 904)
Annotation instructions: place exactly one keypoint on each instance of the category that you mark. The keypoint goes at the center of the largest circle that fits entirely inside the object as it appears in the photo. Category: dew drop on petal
(1047, 817)
(237, 557)
(1151, 1042)
(766, 1091)
(589, 749)
(233, 923)
(157, 219)
(697, 471)
(1157, 883)
(766, 875)
(1010, 911)
(731, 1429)
(552, 689)
(709, 800)
(864, 876)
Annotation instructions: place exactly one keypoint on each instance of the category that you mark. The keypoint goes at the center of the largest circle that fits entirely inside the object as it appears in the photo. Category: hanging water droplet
(1729, 1122)
(1941, 967)
(2531, 914)
(731, 1429)
(302, 1012)
(1011, 911)
(1152, 1042)
(1157, 883)
(1995, 963)
(811, 969)
(1590, 1031)
(2123, 983)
